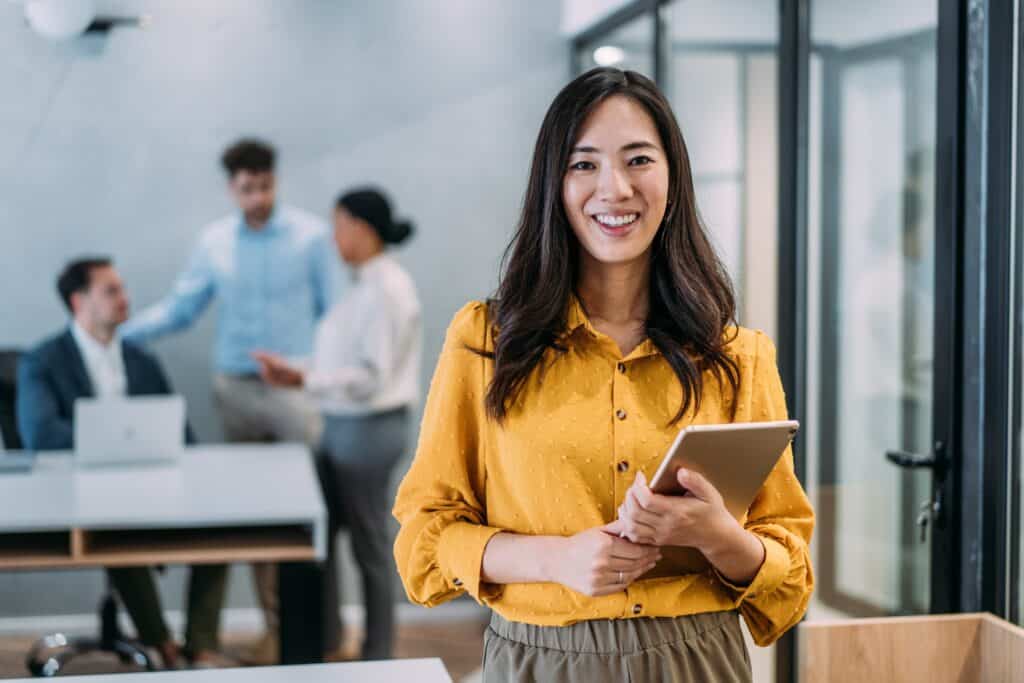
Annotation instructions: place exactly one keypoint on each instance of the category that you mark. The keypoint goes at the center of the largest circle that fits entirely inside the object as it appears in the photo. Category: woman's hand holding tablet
(701, 493)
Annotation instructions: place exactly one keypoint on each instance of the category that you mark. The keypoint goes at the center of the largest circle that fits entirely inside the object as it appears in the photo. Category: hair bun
(400, 231)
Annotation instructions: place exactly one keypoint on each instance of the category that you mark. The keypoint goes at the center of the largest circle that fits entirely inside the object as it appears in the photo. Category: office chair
(50, 653)
(8, 379)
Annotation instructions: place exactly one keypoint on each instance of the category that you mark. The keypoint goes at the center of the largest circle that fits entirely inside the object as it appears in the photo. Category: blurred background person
(365, 376)
(90, 359)
(269, 265)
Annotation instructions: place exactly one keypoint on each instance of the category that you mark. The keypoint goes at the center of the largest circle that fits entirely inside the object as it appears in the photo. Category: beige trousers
(701, 647)
(252, 412)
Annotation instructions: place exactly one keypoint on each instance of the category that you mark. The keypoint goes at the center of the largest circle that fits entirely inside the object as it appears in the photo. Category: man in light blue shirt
(270, 266)
(272, 271)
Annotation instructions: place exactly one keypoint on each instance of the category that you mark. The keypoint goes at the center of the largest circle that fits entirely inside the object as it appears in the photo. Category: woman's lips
(616, 225)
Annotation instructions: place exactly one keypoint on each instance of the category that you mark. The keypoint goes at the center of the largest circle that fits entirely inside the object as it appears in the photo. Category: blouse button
(621, 414)
(457, 582)
(638, 608)
(622, 368)
(623, 466)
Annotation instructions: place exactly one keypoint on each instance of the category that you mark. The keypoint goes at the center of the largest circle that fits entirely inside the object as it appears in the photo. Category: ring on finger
(620, 578)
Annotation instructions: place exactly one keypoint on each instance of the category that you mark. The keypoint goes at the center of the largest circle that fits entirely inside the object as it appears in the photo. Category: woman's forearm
(515, 558)
(739, 557)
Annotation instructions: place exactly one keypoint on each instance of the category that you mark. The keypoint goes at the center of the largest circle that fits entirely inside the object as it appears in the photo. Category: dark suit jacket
(52, 375)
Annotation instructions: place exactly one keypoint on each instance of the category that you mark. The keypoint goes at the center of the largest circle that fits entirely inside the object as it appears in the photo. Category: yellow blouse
(562, 463)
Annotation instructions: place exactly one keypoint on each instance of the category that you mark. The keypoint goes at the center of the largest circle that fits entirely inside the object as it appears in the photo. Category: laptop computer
(129, 431)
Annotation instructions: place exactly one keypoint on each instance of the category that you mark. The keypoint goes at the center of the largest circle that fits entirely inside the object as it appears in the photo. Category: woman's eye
(582, 166)
(641, 160)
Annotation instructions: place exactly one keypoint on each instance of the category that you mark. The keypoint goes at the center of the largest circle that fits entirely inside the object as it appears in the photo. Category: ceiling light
(60, 19)
(609, 55)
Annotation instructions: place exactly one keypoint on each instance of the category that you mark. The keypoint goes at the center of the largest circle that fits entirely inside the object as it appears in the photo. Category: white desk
(220, 504)
(229, 503)
(394, 671)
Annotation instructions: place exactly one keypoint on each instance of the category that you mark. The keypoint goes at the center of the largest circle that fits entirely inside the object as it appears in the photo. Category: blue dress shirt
(274, 285)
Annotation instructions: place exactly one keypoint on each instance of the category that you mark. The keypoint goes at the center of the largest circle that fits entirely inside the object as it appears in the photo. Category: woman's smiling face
(615, 188)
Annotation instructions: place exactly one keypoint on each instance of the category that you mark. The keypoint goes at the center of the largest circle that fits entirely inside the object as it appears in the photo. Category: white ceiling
(841, 23)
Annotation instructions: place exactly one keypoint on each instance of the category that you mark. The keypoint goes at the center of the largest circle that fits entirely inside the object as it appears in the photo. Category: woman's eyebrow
(639, 144)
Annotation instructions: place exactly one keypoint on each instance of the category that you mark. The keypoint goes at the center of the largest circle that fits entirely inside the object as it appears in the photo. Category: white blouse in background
(366, 353)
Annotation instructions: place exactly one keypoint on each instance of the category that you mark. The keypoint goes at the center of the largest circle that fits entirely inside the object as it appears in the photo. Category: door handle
(931, 510)
(936, 460)
(911, 460)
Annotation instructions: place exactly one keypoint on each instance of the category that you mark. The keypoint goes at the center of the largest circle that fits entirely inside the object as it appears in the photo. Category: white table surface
(394, 671)
(221, 485)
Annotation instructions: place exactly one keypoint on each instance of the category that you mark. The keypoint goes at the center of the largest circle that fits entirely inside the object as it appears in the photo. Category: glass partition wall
(871, 180)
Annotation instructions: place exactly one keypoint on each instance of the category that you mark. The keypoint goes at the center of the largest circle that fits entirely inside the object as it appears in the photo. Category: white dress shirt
(103, 364)
(367, 348)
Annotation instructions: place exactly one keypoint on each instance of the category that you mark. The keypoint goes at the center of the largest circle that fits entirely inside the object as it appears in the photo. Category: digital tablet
(736, 458)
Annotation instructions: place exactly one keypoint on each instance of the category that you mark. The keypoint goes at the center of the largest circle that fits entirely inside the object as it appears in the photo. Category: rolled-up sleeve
(782, 518)
(441, 504)
(192, 293)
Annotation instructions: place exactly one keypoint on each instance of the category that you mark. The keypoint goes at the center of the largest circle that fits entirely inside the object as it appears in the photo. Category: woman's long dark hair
(691, 298)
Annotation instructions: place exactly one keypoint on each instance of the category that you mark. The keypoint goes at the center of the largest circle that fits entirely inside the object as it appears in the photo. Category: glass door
(872, 375)
(721, 68)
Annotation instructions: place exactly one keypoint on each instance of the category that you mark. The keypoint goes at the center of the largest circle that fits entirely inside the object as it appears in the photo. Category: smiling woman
(612, 327)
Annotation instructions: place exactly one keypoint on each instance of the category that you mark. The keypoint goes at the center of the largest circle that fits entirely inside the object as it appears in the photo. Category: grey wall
(110, 145)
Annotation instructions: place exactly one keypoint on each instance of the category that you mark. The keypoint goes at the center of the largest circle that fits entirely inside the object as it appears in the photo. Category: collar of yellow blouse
(576, 320)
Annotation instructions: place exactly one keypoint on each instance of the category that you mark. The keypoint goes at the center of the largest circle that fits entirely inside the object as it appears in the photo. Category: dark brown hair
(248, 154)
(77, 276)
(372, 206)
(691, 298)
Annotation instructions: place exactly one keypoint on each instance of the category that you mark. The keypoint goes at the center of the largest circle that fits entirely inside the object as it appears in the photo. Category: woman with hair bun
(364, 373)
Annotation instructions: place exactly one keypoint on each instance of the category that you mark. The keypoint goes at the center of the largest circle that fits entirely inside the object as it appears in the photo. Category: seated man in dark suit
(88, 359)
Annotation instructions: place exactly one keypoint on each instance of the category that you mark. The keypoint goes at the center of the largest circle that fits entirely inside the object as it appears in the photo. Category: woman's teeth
(616, 221)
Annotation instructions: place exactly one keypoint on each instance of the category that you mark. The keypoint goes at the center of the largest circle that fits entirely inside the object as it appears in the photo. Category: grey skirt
(701, 647)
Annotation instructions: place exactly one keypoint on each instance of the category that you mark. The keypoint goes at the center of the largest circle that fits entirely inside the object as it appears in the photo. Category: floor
(458, 644)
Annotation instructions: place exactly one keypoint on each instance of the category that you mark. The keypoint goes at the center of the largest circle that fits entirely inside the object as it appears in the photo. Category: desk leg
(300, 589)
